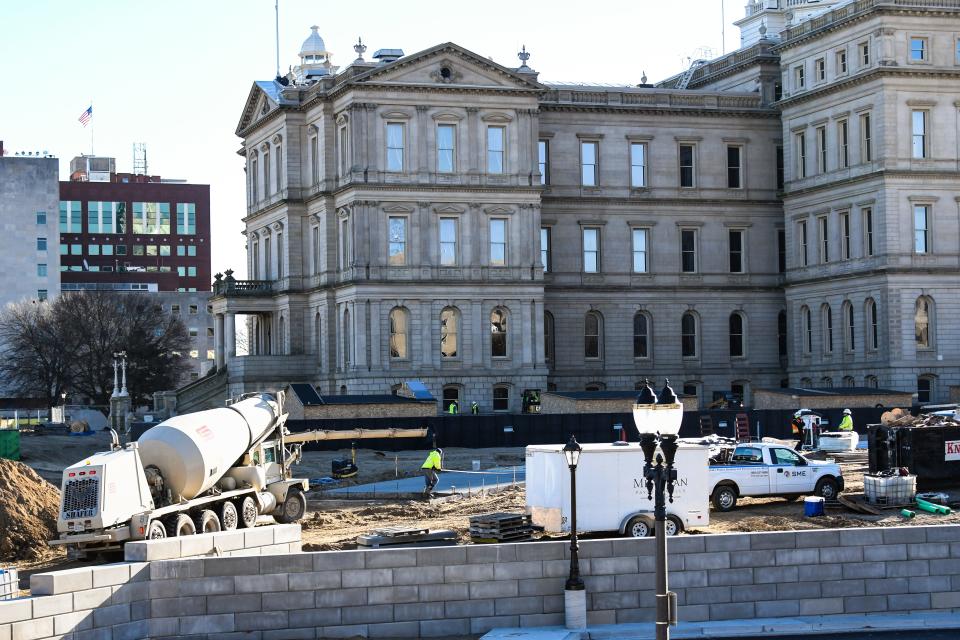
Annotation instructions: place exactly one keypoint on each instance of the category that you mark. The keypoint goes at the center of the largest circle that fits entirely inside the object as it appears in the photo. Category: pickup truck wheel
(207, 522)
(228, 516)
(673, 526)
(293, 508)
(638, 528)
(248, 513)
(827, 488)
(156, 531)
(724, 497)
(183, 526)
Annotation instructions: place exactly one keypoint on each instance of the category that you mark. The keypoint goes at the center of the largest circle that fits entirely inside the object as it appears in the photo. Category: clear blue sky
(175, 74)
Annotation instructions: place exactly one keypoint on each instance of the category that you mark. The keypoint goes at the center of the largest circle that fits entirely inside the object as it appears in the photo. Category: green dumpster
(10, 444)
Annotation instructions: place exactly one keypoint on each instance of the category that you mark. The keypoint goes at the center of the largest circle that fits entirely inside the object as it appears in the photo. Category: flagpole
(91, 126)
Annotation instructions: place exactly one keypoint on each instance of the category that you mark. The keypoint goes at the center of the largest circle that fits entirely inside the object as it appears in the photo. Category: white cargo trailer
(611, 491)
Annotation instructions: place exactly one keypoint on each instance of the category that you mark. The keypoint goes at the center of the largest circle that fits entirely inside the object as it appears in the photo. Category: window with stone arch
(737, 335)
(399, 346)
(807, 329)
(782, 334)
(871, 382)
(498, 332)
(848, 381)
(282, 335)
(688, 335)
(548, 333)
(318, 337)
(826, 315)
(806, 383)
(346, 338)
(923, 322)
(873, 327)
(450, 332)
(593, 336)
(849, 327)
(926, 388)
(641, 335)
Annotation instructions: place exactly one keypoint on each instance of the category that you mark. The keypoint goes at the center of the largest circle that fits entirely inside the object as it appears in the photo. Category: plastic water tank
(194, 450)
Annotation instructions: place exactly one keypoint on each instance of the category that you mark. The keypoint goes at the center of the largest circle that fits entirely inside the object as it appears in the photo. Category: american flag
(86, 115)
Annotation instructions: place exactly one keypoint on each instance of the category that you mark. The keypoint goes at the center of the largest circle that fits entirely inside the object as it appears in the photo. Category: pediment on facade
(263, 99)
(398, 208)
(452, 65)
(498, 211)
(448, 208)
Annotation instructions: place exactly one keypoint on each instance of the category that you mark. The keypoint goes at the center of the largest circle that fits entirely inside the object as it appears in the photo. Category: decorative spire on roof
(524, 56)
(359, 48)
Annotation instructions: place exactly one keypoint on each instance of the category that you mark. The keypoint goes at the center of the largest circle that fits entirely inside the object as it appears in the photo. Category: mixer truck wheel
(207, 522)
(248, 513)
(228, 516)
(183, 526)
(293, 508)
(156, 530)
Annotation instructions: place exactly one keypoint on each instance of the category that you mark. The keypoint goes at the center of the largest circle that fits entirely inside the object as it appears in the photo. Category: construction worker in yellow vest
(847, 423)
(430, 467)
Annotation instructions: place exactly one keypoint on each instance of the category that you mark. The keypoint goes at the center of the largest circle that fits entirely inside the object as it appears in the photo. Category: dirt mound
(28, 512)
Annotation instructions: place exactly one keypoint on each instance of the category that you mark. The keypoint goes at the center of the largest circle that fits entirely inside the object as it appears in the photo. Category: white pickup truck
(762, 469)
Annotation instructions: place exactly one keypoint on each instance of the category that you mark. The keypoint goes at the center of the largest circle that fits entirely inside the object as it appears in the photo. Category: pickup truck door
(790, 472)
(753, 474)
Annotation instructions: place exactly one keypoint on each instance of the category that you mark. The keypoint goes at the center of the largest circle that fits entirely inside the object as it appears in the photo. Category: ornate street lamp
(658, 421)
(575, 597)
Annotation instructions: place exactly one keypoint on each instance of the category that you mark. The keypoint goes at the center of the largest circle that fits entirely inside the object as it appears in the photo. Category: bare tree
(36, 353)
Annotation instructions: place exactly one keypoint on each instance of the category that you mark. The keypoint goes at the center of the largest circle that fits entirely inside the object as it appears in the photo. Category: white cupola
(314, 58)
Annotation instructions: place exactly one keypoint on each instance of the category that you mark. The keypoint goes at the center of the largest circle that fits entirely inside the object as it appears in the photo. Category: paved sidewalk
(760, 627)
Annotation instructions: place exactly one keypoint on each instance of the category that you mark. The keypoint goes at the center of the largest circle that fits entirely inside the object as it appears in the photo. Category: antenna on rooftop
(140, 158)
(276, 11)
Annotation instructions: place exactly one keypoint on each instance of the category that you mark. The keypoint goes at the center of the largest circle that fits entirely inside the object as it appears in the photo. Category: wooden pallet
(400, 532)
(501, 527)
(401, 537)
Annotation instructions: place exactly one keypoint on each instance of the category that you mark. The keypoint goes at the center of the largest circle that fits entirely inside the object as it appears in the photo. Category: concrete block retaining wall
(462, 591)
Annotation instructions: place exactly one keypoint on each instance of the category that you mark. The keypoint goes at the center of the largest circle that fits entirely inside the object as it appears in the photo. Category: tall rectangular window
(686, 165)
(186, 218)
(70, 216)
(495, 148)
(41, 217)
(688, 250)
(42, 270)
(799, 79)
(845, 235)
(921, 228)
(267, 188)
(866, 150)
(821, 149)
(397, 252)
(843, 144)
(734, 167)
(545, 248)
(315, 159)
(448, 242)
(394, 146)
(446, 148)
(918, 49)
(736, 251)
(804, 243)
(841, 62)
(151, 218)
(801, 155)
(498, 242)
(638, 165)
(824, 227)
(864, 48)
(543, 160)
(315, 253)
(919, 125)
(640, 250)
(781, 251)
(41, 244)
(820, 67)
(588, 163)
(780, 177)
(868, 231)
(591, 250)
(344, 151)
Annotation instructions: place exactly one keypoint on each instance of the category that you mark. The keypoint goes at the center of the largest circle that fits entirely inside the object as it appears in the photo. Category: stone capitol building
(785, 215)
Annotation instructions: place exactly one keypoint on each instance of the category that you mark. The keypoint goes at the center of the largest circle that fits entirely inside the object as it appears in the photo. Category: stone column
(229, 332)
(421, 137)
(218, 340)
(474, 145)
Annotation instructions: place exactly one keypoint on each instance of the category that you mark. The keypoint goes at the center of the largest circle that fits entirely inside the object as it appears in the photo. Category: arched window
(806, 383)
(923, 322)
(871, 381)
(848, 381)
(501, 397)
(317, 337)
(451, 393)
(827, 317)
(641, 335)
(688, 335)
(282, 335)
(449, 332)
(592, 335)
(826, 382)
(267, 190)
(278, 153)
(926, 387)
(873, 335)
(782, 334)
(398, 334)
(548, 333)
(346, 337)
(807, 330)
(254, 179)
(736, 335)
(849, 330)
(498, 333)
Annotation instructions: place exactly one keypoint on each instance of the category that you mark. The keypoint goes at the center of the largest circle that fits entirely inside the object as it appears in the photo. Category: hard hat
(798, 414)
(439, 450)
(847, 412)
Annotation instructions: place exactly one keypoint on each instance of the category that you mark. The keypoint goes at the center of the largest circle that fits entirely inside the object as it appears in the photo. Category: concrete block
(444, 592)
(366, 578)
(519, 570)
(6, 632)
(763, 558)
(297, 563)
(907, 568)
(368, 614)
(130, 592)
(541, 620)
(260, 583)
(599, 617)
(483, 625)
(416, 575)
(773, 540)
(856, 570)
(465, 573)
(945, 567)
(841, 588)
(558, 568)
(708, 595)
(163, 588)
(111, 574)
(817, 539)
(928, 551)
(639, 581)
(948, 600)
(343, 631)
(94, 634)
(392, 595)
(32, 629)
(469, 608)
(171, 607)
(241, 635)
(418, 611)
(197, 545)
(821, 606)
(66, 623)
(798, 590)
(841, 554)
(308, 633)
(213, 567)
(176, 569)
(772, 575)
(111, 615)
(136, 630)
(553, 604)
(900, 535)
(732, 611)
(611, 566)
(287, 533)
(314, 580)
(257, 537)
(220, 623)
(518, 606)
(150, 550)
(444, 628)
(684, 579)
(164, 626)
(220, 585)
(56, 582)
(257, 620)
(441, 556)
(693, 613)
(929, 584)
(139, 610)
(908, 601)
(340, 597)
(861, 537)
(722, 577)
(315, 617)
(797, 556)
(596, 549)
(819, 572)
(531, 587)
(940, 533)
(864, 604)
(494, 553)
(885, 552)
(727, 542)
(599, 584)
(713, 560)
(888, 586)
(750, 593)
(91, 598)
(623, 547)
(534, 551)
(389, 558)
(287, 600)
(777, 608)
(621, 600)
(394, 630)
(139, 571)
(229, 540)
(685, 544)
(236, 603)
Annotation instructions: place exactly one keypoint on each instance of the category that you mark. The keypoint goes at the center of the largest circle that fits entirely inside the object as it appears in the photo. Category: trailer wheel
(827, 488)
(293, 508)
(207, 522)
(248, 513)
(156, 530)
(725, 497)
(183, 526)
(228, 516)
(638, 527)
(673, 526)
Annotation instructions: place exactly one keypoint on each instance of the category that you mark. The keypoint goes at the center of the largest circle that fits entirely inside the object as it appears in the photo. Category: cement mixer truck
(199, 472)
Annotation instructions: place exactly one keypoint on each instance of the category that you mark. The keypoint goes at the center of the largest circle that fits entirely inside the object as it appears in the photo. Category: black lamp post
(572, 452)
(658, 421)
